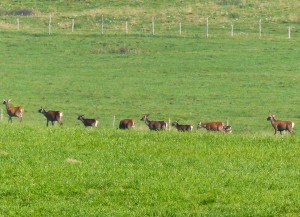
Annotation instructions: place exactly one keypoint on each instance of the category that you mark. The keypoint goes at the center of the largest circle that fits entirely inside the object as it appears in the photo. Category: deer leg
(9, 119)
(47, 123)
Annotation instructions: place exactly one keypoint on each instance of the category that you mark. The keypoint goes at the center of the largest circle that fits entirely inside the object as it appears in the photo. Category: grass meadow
(77, 171)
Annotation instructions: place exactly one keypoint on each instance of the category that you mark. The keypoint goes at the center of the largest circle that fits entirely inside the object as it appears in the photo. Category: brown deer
(13, 111)
(126, 124)
(154, 125)
(212, 126)
(52, 116)
(182, 127)
(88, 122)
(280, 126)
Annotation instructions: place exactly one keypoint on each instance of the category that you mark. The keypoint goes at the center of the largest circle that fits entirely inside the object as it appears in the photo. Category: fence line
(211, 29)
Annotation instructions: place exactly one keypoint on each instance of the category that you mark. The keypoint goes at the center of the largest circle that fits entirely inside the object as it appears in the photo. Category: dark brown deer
(280, 126)
(182, 127)
(13, 111)
(212, 126)
(154, 125)
(52, 116)
(126, 124)
(88, 122)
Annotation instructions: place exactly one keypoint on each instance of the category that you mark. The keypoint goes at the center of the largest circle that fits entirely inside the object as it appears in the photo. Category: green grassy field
(74, 171)
(79, 172)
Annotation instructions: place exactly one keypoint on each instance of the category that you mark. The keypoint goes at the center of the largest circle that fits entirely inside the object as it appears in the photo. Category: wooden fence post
(153, 26)
(114, 120)
(180, 28)
(73, 24)
(207, 27)
(289, 32)
(260, 28)
(102, 25)
(49, 27)
(18, 23)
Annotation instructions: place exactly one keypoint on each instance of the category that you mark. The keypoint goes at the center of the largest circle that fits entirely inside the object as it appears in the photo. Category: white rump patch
(96, 123)
(61, 114)
(293, 124)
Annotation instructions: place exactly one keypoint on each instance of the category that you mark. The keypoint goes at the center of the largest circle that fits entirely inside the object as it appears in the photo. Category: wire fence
(159, 26)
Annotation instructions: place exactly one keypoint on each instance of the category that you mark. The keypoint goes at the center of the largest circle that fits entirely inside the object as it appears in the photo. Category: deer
(52, 116)
(182, 127)
(13, 111)
(126, 124)
(87, 122)
(280, 126)
(154, 125)
(212, 126)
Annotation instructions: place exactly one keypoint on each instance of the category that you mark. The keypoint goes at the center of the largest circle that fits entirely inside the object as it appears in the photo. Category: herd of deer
(56, 116)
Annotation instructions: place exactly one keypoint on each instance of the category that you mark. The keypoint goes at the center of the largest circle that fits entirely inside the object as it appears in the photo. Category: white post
(49, 28)
(231, 30)
(289, 32)
(73, 24)
(102, 25)
(126, 27)
(207, 27)
(18, 23)
(152, 25)
(114, 120)
(180, 28)
(260, 29)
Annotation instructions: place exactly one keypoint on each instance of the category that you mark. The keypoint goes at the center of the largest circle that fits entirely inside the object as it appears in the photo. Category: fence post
(18, 23)
(49, 27)
(289, 32)
(126, 27)
(231, 30)
(207, 27)
(1, 114)
(102, 25)
(180, 28)
(73, 24)
(114, 120)
(260, 28)
(152, 25)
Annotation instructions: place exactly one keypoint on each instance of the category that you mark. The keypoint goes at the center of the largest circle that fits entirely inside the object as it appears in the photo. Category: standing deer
(13, 111)
(154, 125)
(280, 126)
(88, 122)
(182, 127)
(53, 116)
(126, 124)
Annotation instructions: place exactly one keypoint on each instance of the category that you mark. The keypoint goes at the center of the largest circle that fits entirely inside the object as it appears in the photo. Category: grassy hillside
(185, 79)
(74, 171)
